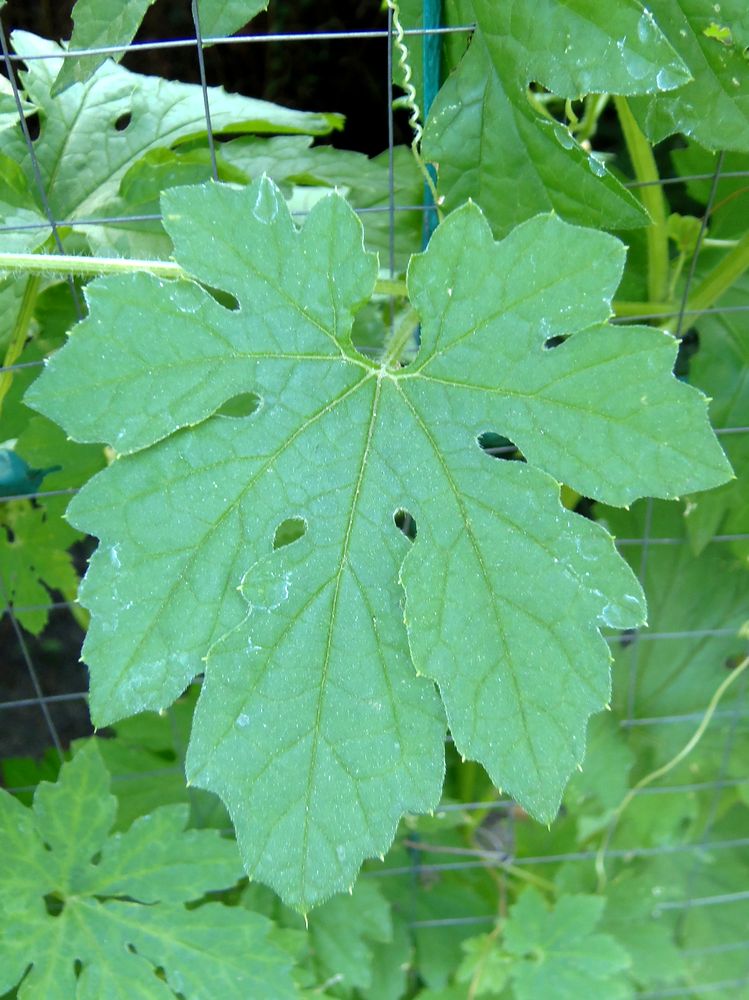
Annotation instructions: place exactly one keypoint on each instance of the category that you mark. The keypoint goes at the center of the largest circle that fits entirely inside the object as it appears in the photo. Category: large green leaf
(712, 40)
(105, 23)
(312, 724)
(71, 896)
(491, 145)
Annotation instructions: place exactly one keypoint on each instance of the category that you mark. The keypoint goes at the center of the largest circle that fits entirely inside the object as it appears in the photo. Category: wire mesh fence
(33, 707)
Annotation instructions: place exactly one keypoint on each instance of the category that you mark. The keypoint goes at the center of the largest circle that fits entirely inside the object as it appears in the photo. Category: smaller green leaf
(484, 966)
(69, 465)
(74, 815)
(557, 953)
(342, 933)
(34, 561)
(62, 913)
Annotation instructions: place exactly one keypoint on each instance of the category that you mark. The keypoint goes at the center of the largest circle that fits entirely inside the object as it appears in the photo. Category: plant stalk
(400, 340)
(718, 281)
(651, 196)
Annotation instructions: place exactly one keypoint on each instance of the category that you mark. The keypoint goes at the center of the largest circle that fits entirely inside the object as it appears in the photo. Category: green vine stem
(652, 197)
(664, 769)
(58, 264)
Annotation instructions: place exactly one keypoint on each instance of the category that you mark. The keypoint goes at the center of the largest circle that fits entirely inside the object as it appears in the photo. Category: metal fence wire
(32, 707)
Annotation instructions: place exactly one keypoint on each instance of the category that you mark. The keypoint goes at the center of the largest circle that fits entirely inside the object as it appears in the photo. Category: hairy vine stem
(56, 264)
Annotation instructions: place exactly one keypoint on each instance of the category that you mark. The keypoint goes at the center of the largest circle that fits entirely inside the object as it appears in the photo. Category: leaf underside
(319, 722)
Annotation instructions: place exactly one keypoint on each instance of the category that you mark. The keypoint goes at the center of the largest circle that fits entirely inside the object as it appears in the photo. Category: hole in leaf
(554, 342)
(34, 125)
(224, 299)
(244, 404)
(288, 531)
(499, 447)
(123, 121)
(54, 904)
(405, 523)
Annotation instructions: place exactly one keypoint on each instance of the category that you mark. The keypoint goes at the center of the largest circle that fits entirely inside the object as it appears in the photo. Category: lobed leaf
(313, 725)
(558, 953)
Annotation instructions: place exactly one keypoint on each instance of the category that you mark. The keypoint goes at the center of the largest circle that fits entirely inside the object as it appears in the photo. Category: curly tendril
(410, 101)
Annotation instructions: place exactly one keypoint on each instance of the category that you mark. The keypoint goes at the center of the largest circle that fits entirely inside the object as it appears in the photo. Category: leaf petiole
(651, 195)
(401, 338)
